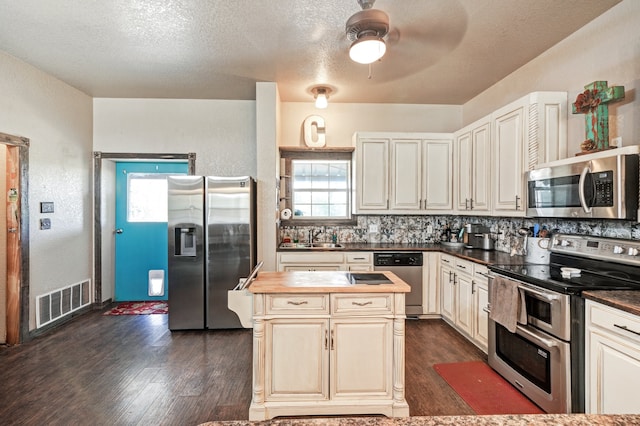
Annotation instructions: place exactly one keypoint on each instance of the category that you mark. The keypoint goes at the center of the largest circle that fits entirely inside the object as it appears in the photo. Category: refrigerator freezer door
(186, 273)
(231, 244)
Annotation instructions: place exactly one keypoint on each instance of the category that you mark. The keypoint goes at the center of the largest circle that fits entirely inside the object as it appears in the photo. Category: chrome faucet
(312, 235)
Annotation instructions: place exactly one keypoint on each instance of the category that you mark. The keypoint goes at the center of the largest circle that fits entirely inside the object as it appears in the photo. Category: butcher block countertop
(321, 282)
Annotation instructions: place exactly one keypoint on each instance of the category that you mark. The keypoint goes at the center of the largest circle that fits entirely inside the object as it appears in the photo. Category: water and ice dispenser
(185, 241)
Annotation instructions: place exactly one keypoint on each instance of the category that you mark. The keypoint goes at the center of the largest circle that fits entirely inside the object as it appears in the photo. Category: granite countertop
(506, 420)
(625, 300)
(485, 257)
(321, 282)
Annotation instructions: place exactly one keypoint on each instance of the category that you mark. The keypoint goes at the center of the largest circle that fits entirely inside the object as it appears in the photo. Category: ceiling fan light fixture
(321, 95)
(367, 49)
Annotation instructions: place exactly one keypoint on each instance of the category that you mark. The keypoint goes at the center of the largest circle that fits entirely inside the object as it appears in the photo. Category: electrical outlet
(45, 223)
(617, 142)
(373, 228)
(429, 229)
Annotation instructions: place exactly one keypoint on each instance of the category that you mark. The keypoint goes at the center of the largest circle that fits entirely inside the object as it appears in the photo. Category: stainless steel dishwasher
(408, 267)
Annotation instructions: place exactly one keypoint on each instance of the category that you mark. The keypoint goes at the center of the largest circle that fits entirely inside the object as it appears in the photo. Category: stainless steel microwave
(604, 188)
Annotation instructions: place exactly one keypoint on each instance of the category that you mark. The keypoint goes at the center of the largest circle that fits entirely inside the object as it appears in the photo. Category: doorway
(104, 214)
(141, 229)
(14, 239)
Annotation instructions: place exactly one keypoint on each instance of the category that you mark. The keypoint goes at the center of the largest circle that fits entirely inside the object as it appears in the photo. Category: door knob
(119, 231)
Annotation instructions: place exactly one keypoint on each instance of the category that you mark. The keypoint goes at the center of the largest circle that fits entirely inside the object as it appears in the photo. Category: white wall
(343, 120)
(221, 133)
(605, 49)
(58, 121)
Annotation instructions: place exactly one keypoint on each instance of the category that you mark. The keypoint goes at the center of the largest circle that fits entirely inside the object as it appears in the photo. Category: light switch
(46, 207)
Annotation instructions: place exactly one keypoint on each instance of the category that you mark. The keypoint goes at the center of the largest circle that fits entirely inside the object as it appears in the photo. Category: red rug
(139, 308)
(484, 390)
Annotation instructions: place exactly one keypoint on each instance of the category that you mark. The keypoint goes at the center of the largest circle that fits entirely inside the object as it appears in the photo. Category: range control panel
(611, 249)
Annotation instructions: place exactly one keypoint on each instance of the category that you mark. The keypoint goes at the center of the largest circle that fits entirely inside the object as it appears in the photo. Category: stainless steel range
(544, 356)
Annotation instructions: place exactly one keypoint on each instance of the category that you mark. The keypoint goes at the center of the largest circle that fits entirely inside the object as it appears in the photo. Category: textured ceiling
(439, 51)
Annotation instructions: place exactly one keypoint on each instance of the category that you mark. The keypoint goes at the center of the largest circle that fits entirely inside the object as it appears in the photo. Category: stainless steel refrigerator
(212, 244)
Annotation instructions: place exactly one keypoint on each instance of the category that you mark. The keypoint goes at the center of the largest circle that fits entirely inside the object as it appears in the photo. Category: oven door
(537, 364)
(548, 311)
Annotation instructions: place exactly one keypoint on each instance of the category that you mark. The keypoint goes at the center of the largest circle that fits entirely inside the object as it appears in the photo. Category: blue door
(141, 229)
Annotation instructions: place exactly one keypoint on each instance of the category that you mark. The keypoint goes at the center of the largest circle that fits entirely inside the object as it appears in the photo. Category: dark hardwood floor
(131, 370)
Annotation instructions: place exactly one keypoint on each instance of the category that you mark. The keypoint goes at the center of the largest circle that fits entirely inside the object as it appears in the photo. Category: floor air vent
(63, 301)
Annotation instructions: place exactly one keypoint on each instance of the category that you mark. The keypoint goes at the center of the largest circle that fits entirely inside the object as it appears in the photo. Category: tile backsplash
(413, 229)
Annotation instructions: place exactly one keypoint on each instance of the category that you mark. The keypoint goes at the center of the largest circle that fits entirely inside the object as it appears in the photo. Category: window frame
(287, 155)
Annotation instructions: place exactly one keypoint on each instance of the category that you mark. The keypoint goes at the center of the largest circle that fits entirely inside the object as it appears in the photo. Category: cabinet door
(464, 303)
(508, 170)
(481, 168)
(447, 291)
(405, 174)
(614, 372)
(297, 359)
(372, 183)
(463, 172)
(437, 172)
(481, 316)
(361, 358)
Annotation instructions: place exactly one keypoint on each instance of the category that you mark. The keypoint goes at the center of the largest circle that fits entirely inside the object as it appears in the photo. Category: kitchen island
(324, 345)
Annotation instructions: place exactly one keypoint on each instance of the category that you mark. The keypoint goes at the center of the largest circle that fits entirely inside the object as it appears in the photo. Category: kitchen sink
(307, 246)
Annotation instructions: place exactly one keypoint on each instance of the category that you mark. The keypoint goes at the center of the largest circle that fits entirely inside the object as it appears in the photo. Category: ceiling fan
(366, 30)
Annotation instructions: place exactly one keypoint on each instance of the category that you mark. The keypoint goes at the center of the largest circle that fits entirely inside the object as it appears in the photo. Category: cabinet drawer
(614, 320)
(297, 304)
(480, 272)
(361, 304)
(448, 260)
(358, 257)
(464, 266)
(312, 258)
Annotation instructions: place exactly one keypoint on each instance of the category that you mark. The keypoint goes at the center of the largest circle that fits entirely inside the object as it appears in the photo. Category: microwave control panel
(603, 187)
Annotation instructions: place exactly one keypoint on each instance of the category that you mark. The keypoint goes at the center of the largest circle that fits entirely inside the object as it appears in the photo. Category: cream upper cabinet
(612, 364)
(403, 173)
(437, 174)
(472, 177)
(372, 175)
(406, 168)
(508, 146)
(527, 132)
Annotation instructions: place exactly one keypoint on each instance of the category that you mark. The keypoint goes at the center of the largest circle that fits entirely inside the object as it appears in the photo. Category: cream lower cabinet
(612, 365)
(480, 292)
(325, 261)
(464, 298)
(447, 288)
(328, 354)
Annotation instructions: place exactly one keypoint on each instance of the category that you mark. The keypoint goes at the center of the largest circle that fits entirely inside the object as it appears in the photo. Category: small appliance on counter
(478, 236)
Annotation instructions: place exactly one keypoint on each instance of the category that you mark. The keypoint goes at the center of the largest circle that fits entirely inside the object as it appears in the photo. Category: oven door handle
(543, 295)
(536, 337)
(583, 200)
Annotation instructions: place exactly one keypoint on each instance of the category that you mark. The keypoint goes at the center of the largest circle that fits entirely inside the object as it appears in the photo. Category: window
(317, 185)
(147, 197)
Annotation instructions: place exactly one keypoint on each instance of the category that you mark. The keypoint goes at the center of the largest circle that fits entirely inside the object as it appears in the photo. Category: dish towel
(505, 303)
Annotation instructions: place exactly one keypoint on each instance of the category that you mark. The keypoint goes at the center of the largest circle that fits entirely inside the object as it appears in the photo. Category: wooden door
(481, 168)
(13, 249)
(508, 170)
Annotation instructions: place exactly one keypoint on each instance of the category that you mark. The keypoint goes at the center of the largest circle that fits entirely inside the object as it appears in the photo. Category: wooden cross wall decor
(593, 103)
